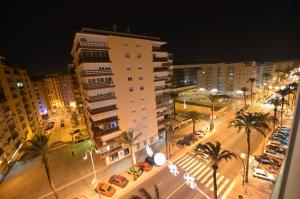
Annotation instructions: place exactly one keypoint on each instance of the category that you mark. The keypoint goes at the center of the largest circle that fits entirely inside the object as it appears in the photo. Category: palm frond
(145, 193)
(157, 192)
(135, 197)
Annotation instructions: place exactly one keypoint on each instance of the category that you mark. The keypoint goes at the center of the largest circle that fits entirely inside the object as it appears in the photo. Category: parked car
(184, 142)
(282, 146)
(276, 142)
(105, 189)
(62, 123)
(262, 174)
(138, 170)
(145, 166)
(276, 148)
(150, 160)
(273, 154)
(263, 159)
(282, 141)
(118, 180)
(200, 133)
(191, 137)
(281, 136)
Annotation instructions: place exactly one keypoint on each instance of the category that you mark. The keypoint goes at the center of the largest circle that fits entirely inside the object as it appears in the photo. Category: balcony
(161, 122)
(99, 98)
(91, 44)
(163, 97)
(103, 121)
(163, 78)
(91, 73)
(85, 59)
(89, 86)
(102, 109)
(160, 114)
(162, 105)
(158, 88)
(160, 59)
(159, 69)
(100, 132)
(158, 49)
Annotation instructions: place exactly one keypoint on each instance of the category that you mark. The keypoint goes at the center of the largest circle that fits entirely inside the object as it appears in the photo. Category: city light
(190, 181)
(173, 168)
(159, 159)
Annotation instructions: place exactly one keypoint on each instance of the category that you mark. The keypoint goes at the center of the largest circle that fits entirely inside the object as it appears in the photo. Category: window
(129, 78)
(126, 151)
(142, 98)
(139, 55)
(142, 88)
(139, 67)
(133, 110)
(131, 89)
(137, 146)
(140, 78)
(127, 55)
(128, 68)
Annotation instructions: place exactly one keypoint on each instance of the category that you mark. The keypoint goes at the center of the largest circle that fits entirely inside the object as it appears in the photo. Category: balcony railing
(160, 59)
(99, 132)
(89, 73)
(162, 105)
(158, 88)
(158, 49)
(83, 59)
(106, 120)
(160, 122)
(159, 69)
(164, 97)
(99, 98)
(102, 109)
(91, 44)
(89, 86)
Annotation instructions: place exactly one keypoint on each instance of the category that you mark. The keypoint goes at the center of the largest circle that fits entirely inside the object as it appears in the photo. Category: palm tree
(216, 154)
(128, 138)
(249, 122)
(38, 146)
(282, 92)
(194, 115)
(146, 194)
(213, 98)
(276, 101)
(251, 80)
(244, 89)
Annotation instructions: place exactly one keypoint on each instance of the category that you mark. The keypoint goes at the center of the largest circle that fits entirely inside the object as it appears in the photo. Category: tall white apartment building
(124, 84)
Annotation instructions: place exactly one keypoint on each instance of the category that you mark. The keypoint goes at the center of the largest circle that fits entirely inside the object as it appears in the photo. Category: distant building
(124, 83)
(53, 90)
(75, 87)
(40, 90)
(18, 90)
(66, 89)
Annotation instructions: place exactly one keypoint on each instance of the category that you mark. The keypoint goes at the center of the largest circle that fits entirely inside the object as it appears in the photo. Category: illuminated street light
(90, 152)
(159, 159)
(184, 104)
(173, 169)
(149, 151)
(190, 181)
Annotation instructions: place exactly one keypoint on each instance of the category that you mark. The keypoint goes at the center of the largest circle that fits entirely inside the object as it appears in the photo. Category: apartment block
(124, 84)
(66, 89)
(17, 89)
(53, 91)
(75, 87)
(40, 90)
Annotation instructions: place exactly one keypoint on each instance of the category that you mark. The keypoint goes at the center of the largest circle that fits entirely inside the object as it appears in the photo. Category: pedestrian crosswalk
(203, 173)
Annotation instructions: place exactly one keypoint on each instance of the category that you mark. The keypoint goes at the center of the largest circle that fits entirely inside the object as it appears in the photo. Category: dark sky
(38, 36)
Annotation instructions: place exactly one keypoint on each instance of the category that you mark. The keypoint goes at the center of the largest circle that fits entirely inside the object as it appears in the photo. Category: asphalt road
(175, 187)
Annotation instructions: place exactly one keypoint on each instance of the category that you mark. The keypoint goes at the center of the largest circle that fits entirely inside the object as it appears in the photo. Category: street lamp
(241, 157)
(90, 152)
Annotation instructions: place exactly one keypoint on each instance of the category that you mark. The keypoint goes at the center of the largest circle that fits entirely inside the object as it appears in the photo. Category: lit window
(139, 67)
(131, 89)
(129, 78)
(142, 88)
(139, 55)
(127, 55)
(140, 78)
(128, 68)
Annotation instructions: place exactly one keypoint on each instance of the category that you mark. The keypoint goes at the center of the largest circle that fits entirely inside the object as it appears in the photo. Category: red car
(118, 180)
(145, 166)
(105, 189)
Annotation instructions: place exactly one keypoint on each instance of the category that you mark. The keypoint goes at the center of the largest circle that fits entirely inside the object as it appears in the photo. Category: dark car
(282, 136)
(184, 142)
(191, 137)
(267, 160)
(282, 141)
(150, 160)
(276, 148)
(145, 166)
(118, 180)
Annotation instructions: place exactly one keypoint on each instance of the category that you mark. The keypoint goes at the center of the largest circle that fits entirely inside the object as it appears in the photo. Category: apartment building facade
(43, 102)
(53, 91)
(17, 89)
(66, 89)
(124, 84)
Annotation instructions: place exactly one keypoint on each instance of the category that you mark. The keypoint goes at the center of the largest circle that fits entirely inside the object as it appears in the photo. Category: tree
(276, 101)
(282, 92)
(249, 122)
(244, 89)
(251, 80)
(194, 115)
(213, 98)
(216, 154)
(38, 146)
(128, 138)
(146, 194)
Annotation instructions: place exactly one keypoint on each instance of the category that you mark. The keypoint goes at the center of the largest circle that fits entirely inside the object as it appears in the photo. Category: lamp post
(90, 152)
(241, 157)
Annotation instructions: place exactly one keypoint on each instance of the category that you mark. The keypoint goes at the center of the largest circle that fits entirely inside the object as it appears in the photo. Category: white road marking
(191, 171)
(185, 161)
(175, 190)
(210, 181)
(207, 176)
(203, 173)
(196, 173)
(204, 194)
(223, 186)
(181, 159)
(218, 182)
(229, 189)
(188, 163)
(188, 168)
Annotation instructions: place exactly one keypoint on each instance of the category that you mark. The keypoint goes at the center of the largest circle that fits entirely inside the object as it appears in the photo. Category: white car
(203, 155)
(259, 173)
(201, 133)
(274, 154)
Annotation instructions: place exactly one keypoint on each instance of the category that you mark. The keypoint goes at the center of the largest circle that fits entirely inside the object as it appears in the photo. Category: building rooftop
(109, 32)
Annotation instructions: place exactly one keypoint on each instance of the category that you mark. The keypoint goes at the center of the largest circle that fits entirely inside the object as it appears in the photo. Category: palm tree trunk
(212, 126)
(248, 156)
(133, 162)
(245, 99)
(281, 115)
(215, 170)
(45, 162)
(194, 124)
(275, 117)
(251, 93)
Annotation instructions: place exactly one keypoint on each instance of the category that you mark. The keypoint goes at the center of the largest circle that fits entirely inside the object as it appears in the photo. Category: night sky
(38, 36)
